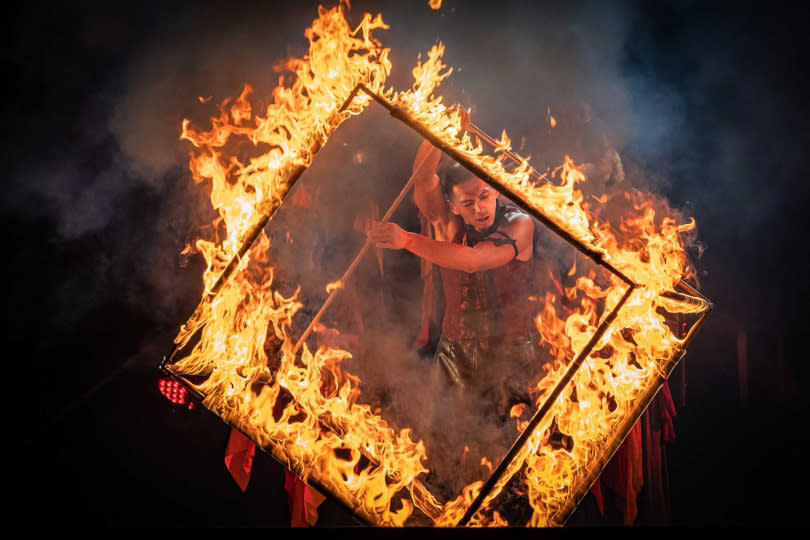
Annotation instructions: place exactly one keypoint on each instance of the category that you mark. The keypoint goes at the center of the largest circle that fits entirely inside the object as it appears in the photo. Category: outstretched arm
(485, 255)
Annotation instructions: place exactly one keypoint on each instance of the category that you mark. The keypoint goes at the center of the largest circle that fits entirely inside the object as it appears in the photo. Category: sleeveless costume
(486, 342)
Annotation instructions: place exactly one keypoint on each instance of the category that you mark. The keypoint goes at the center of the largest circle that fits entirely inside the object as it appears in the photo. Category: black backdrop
(97, 205)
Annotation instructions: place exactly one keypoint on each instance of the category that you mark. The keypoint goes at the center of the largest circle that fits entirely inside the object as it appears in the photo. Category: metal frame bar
(511, 155)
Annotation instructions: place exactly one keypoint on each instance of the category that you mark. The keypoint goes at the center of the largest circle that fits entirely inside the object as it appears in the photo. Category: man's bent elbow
(471, 267)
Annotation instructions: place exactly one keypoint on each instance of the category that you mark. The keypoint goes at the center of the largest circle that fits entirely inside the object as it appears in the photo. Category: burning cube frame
(478, 504)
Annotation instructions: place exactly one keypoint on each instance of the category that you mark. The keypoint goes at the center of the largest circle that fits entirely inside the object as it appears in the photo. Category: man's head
(470, 197)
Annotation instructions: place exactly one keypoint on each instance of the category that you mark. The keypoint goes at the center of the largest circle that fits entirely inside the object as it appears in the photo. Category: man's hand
(388, 235)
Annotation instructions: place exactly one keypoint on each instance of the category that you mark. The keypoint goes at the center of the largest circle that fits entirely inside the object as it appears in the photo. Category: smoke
(102, 92)
(100, 203)
(97, 156)
(700, 118)
(128, 77)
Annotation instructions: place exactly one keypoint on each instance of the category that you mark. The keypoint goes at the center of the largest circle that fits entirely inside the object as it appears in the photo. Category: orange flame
(335, 285)
(319, 427)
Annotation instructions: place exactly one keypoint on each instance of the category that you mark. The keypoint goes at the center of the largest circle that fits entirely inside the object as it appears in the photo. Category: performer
(484, 249)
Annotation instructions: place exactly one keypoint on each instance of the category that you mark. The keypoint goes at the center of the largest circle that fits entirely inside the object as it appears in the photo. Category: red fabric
(640, 461)
(634, 473)
(304, 500)
(654, 476)
(658, 430)
(666, 412)
(239, 458)
(624, 476)
(596, 490)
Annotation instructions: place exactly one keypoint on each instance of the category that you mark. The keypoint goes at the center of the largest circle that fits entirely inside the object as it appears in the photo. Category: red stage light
(174, 392)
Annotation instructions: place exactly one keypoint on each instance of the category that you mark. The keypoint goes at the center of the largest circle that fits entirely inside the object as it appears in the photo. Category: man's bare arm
(486, 255)
(427, 192)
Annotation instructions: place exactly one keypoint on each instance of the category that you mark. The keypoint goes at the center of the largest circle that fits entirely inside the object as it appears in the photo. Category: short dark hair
(453, 175)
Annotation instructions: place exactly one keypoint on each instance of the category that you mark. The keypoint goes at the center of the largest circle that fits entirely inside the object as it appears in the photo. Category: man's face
(474, 200)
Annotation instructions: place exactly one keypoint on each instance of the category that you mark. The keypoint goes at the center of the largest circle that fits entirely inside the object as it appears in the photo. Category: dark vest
(491, 307)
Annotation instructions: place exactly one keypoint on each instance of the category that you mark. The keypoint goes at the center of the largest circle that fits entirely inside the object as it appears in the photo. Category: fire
(246, 312)
(307, 413)
(335, 285)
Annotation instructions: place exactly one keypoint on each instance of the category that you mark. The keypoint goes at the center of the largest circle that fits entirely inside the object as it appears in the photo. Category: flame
(435, 4)
(308, 414)
(647, 247)
(335, 285)
(247, 315)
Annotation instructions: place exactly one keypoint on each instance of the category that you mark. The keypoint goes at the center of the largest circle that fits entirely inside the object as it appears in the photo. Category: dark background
(706, 97)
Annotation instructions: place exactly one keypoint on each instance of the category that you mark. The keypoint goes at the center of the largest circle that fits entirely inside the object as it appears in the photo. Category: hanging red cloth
(658, 430)
(633, 478)
(640, 462)
(623, 476)
(596, 491)
(239, 458)
(304, 500)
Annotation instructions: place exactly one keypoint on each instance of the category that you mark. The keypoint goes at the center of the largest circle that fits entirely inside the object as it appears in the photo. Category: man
(484, 250)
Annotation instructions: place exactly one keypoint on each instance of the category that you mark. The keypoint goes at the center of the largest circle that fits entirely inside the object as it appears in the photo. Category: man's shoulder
(517, 225)
(514, 217)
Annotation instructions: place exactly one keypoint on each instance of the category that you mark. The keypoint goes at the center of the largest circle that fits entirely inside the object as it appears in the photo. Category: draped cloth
(302, 498)
(239, 458)
(637, 477)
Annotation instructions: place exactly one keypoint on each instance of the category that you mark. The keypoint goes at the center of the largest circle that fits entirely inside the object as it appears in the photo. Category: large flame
(308, 413)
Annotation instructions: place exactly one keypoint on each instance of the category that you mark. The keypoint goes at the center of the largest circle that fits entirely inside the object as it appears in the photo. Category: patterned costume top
(491, 307)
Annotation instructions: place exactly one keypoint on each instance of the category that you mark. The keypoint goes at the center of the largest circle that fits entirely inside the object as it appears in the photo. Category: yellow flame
(333, 286)
(309, 415)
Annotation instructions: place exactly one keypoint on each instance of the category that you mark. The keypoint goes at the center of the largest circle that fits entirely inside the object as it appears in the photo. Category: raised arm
(427, 193)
